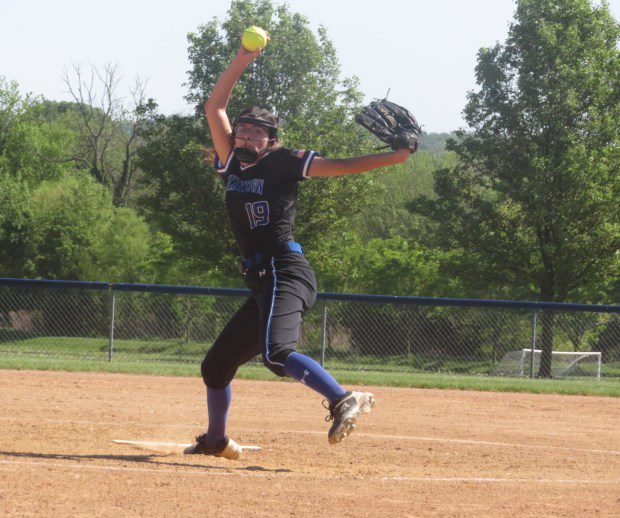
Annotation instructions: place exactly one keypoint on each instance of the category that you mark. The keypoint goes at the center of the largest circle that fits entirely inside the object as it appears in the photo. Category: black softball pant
(269, 322)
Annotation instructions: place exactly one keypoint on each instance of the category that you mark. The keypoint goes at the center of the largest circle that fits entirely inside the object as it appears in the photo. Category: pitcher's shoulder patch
(299, 153)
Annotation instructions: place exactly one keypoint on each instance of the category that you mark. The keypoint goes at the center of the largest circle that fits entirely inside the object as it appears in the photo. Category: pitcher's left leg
(281, 310)
(281, 305)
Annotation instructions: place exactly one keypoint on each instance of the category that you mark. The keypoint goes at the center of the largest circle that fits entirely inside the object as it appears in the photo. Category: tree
(68, 228)
(387, 215)
(533, 199)
(56, 221)
(33, 146)
(38, 148)
(181, 196)
(14, 224)
(33, 149)
(297, 78)
(108, 129)
(11, 106)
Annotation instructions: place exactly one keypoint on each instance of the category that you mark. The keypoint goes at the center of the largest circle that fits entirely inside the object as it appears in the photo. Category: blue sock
(309, 372)
(218, 401)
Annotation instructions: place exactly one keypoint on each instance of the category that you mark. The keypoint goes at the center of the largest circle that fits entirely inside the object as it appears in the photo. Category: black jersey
(262, 198)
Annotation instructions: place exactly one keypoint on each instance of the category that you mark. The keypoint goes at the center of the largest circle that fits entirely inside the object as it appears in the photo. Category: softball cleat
(226, 448)
(345, 412)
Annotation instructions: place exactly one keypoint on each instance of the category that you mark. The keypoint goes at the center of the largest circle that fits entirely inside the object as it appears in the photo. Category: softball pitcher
(262, 180)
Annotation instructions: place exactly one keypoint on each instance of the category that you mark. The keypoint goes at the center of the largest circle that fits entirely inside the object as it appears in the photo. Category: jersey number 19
(258, 213)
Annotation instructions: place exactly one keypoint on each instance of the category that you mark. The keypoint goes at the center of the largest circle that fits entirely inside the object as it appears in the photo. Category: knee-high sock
(309, 372)
(218, 402)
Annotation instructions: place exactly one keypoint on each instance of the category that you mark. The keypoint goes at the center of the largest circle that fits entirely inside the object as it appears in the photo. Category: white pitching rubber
(173, 445)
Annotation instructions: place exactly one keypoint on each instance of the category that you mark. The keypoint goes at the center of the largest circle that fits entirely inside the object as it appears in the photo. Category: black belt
(259, 257)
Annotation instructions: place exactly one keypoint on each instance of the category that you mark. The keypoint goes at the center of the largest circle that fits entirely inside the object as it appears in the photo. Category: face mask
(246, 155)
(249, 156)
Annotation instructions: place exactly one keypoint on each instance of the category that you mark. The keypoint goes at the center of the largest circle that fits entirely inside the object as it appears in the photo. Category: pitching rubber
(233, 451)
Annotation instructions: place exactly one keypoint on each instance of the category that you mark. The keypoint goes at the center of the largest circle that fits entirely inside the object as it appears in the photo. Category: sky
(423, 51)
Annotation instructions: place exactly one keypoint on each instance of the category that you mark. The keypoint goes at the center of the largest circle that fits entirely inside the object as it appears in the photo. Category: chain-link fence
(145, 323)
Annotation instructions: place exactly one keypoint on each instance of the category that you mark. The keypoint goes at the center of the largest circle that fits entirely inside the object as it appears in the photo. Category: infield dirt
(419, 453)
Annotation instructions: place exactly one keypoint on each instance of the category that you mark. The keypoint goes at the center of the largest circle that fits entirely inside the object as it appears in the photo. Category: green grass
(177, 358)
(175, 350)
(82, 346)
(591, 387)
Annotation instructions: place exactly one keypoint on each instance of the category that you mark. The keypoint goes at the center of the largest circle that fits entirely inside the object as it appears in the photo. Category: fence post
(112, 299)
(533, 352)
(323, 345)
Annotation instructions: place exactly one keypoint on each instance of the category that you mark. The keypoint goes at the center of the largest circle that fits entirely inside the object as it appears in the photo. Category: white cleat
(345, 412)
(226, 448)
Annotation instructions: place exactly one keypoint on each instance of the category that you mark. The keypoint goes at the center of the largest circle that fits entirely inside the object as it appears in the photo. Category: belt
(259, 257)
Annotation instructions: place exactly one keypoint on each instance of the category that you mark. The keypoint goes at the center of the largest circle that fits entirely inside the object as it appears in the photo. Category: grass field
(179, 358)
(142, 363)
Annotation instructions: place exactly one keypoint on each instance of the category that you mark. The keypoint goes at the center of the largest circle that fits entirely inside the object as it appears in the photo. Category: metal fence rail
(155, 323)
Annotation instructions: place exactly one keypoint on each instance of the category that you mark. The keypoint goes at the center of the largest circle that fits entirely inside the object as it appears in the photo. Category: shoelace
(331, 410)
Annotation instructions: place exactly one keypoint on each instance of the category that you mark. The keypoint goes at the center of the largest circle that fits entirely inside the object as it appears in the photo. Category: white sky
(424, 50)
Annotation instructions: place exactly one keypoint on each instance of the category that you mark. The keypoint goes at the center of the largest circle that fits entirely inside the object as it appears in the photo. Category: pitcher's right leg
(236, 344)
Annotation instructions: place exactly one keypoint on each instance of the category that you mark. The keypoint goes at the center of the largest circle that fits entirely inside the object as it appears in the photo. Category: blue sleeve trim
(306, 169)
(295, 247)
(222, 168)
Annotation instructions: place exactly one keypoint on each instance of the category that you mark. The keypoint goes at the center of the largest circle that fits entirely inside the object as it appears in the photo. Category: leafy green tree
(75, 232)
(14, 224)
(68, 218)
(56, 221)
(534, 197)
(11, 106)
(387, 215)
(125, 250)
(298, 79)
(182, 197)
(33, 146)
(38, 149)
(382, 266)
(395, 266)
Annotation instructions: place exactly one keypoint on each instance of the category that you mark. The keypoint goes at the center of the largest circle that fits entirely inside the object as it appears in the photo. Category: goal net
(563, 364)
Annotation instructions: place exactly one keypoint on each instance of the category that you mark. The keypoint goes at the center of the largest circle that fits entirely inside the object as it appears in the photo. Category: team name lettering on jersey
(254, 186)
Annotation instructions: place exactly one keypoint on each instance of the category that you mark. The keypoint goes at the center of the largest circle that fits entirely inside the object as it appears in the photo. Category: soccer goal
(564, 364)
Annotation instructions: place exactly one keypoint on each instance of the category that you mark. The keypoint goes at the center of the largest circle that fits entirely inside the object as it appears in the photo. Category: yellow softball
(254, 38)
